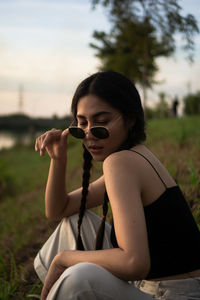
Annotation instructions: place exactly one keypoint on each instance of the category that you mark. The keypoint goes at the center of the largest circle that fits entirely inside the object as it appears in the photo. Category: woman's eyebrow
(95, 115)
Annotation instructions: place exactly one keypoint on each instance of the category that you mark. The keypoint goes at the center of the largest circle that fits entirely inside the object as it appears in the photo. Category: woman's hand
(54, 142)
(54, 272)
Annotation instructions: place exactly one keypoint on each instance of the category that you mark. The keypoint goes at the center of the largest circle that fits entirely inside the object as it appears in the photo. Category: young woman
(152, 249)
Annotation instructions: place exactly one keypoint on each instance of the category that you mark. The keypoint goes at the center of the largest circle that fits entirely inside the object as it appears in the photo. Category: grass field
(23, 174)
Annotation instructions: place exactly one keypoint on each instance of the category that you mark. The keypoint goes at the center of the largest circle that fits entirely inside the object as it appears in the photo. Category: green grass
(24, 227)
(182, 131)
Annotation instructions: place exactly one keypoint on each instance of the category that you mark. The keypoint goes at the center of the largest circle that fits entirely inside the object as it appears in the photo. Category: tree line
(22, 122)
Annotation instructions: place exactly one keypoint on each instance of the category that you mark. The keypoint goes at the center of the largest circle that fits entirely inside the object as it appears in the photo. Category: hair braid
(100, 233)
(85, 183)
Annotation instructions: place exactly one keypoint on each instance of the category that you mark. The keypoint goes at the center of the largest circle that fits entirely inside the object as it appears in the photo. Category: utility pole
(21, 98)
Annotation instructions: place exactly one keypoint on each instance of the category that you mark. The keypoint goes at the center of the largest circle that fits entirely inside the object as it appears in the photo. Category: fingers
(49, 138)
(64, 135)
(39, 142)
(65, 132)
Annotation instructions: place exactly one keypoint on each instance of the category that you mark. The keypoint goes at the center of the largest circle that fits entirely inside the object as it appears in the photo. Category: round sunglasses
(99, 132)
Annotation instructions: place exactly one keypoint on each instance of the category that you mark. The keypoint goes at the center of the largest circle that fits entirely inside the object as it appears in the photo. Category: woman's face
(92, 111)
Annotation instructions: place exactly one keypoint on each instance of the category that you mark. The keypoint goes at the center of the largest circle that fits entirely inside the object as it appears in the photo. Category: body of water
(8, 139)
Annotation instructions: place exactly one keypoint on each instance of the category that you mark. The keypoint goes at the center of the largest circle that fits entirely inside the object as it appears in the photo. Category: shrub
(192, 104)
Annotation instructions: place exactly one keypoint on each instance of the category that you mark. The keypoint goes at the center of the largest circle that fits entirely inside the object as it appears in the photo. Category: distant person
(175, 107)
(152, 249)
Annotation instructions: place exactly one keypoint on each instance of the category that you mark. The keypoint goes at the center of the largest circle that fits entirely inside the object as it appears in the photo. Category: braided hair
(100, 233)
(87, 164)
(119, 92)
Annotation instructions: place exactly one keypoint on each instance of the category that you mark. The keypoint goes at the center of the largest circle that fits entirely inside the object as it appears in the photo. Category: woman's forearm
(54, 142)
(115, 260)
(56, 194)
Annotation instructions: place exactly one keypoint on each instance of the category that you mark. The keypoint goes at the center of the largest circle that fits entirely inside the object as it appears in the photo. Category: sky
(45, 53)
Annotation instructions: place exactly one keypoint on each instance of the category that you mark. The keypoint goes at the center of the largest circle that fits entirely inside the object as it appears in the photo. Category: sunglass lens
(100, 132)
(77, 132)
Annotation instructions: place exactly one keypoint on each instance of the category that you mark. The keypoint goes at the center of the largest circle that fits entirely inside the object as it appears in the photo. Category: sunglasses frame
(92, 129)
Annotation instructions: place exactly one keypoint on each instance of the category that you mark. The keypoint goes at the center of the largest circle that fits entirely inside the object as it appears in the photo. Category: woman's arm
(114, 260)
(58, 203)
(124, 185)
(95, 197)
(54, 142)
(56, 195)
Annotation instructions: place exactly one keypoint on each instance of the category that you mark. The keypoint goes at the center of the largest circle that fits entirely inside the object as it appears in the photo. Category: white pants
(88, 281)
(83, 281)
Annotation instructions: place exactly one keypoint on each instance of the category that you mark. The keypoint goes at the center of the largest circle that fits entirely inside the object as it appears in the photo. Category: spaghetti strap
(151, 165)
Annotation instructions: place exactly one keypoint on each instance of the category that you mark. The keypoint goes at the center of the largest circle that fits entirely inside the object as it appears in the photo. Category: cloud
(36, 104)
(44, 46)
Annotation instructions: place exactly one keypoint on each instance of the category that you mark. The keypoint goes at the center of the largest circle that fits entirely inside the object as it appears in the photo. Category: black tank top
(173, 235)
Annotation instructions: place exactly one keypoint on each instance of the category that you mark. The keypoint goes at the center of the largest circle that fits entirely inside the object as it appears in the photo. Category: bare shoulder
(120, 157)
(125, 159)
(134, 164)
(115, 161)
(121, 165)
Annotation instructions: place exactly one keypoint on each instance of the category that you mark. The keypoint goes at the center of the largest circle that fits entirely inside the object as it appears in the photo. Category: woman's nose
(88, 133)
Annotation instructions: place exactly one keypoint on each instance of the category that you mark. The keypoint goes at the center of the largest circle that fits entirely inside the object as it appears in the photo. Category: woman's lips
(95, 149)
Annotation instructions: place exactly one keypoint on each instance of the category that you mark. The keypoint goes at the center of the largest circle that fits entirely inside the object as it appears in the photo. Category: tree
(162, 107)
(192, 104)
(131, 49)
(142, 30)
(160, 110)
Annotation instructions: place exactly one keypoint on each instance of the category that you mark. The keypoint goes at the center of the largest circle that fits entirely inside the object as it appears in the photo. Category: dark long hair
(120, 93)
